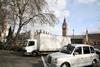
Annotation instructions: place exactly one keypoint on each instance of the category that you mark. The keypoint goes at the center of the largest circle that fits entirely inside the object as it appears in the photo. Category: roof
(80, 45)
(94, 33)
(77, 37)
(82, 36)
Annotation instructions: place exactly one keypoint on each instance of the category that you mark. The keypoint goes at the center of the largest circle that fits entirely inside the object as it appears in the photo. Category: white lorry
(45, 44)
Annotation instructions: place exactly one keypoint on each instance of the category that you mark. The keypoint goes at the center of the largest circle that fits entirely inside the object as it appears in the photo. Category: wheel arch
(65, 63)
(94, 63)
(95, 60)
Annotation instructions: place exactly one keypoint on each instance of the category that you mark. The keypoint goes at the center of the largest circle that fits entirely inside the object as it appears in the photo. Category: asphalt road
(15, 59)
(11, 59)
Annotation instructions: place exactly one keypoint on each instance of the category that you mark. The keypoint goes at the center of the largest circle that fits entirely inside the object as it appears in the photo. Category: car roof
(80, 45)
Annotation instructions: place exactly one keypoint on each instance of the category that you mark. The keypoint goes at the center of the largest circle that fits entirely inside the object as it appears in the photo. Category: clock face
(64, 26)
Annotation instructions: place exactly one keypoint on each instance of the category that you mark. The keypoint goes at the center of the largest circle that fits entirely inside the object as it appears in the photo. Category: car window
(67, 49)
(78, 50)
(86, 50)
(92, 49)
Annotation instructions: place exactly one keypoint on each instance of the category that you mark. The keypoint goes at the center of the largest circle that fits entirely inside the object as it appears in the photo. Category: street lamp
(73, 33)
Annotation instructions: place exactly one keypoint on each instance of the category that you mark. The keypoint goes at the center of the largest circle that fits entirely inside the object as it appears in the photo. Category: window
(67, 49)
(78, 50)
(31, 43)
(86, 50)
(92, 49)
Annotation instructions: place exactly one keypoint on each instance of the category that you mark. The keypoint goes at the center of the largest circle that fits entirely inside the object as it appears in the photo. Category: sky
(81, 15)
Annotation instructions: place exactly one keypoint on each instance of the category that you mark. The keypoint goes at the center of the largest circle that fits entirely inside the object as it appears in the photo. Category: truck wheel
(34, 54)
(65, 65)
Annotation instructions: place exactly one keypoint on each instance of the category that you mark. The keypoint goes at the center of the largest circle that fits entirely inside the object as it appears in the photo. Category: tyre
(94, 63)
(65, 65)
(34, 54)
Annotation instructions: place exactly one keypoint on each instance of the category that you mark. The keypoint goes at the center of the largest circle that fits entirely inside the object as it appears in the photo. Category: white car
(73, 55)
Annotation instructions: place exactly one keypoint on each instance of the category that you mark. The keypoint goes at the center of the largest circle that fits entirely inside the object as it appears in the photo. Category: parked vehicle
(74, 55)
(43, 46)
(97, 49)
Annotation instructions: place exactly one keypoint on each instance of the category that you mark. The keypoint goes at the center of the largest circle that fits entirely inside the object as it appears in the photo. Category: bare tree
(3, 23)
(22, 12)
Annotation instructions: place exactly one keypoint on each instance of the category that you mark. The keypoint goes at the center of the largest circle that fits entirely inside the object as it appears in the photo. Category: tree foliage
(22, 12)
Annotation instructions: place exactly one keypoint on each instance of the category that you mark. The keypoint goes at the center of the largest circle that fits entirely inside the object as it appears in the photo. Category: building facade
(91, 38)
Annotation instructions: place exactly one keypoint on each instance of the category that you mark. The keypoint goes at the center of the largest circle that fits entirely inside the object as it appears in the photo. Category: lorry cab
(30, 47)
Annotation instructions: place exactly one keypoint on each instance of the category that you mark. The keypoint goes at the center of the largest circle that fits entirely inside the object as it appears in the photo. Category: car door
(86, 55)
(77, 57)
(93, 54)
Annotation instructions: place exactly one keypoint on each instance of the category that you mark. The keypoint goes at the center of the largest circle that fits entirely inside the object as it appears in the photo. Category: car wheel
(65, 65)
(94, 63)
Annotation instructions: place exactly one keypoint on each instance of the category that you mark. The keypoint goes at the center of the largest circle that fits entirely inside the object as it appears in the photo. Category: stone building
(77, 39)
(93, 38)
(43, 35)
(90, 38)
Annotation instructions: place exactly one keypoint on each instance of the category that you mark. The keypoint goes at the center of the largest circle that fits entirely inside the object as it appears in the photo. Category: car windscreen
(67, 49)
(31, 43)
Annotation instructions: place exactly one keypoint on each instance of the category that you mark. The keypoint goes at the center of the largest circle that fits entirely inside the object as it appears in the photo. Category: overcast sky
(80, 15)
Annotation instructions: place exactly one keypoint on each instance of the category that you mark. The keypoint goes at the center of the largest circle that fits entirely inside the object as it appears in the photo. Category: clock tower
(64, 28)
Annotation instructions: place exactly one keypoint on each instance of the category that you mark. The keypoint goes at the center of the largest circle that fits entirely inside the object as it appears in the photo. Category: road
(15, 59)
(11, 59)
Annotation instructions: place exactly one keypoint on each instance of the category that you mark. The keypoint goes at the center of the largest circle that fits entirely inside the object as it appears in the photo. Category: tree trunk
(15, 40)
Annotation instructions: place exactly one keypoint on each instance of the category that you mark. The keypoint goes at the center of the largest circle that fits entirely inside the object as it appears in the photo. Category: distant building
(77, 39)
(42, 28)
(94, 38)
(90, 38)
(43, 35)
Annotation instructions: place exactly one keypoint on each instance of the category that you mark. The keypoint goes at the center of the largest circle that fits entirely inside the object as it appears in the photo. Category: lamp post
(73, 36)
(73, 33)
